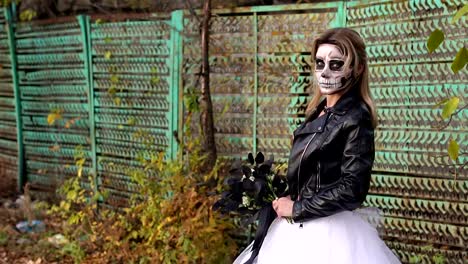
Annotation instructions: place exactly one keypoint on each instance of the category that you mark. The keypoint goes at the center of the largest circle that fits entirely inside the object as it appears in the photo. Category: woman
(329, 167)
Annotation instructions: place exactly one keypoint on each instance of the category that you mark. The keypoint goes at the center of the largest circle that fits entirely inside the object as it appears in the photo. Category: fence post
(88, 71)
(175, 91)
(19, 124)
(340, 19)
(255, 110)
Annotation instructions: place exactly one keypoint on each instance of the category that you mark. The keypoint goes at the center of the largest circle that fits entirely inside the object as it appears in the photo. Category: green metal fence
(118, 81)
(104, 86)
(10, 158)
(52, 82)
(135, 78)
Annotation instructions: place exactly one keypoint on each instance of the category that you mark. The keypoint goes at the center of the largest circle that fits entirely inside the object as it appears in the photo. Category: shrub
(170, 220)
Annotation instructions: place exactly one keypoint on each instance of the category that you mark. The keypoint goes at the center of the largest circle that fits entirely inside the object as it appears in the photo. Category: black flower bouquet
(252, 187)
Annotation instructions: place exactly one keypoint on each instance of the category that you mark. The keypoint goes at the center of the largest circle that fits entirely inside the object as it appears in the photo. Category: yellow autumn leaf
(52, 117)
(70, 122)
(131, 121)
(54, 148)
(453, 149)
(108, 55)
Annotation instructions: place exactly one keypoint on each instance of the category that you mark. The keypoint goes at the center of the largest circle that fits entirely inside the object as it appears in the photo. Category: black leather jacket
(330, 162)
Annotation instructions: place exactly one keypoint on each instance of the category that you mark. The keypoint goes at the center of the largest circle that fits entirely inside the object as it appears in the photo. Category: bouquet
(252, 187)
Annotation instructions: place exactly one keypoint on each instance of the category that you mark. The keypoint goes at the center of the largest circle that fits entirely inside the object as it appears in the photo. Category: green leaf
(27, 15)
(80, 162)
(134, 234)
(459, 14)
(225, 109)
(107, 40)
(117, 101)
(71, 195)
(112, 90)
(453, 149)
(65, 205)
(3, 238)
(415, 259)
(131, 121)
(108, 55)
(460, 60)
(114, 79)
(439, 259)
(440, 103)
(154, 80)
(435, 39)
(191, 102)
(450, 107)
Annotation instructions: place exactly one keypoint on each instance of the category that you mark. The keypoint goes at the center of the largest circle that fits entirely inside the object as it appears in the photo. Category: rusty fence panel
(260, 71)
(425, 205)
(260, 79)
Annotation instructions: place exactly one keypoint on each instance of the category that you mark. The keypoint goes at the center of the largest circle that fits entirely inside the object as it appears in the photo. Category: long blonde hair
(351, 45)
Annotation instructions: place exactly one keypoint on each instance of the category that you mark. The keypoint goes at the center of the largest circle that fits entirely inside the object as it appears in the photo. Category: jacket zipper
(317, 182)
(300, 163)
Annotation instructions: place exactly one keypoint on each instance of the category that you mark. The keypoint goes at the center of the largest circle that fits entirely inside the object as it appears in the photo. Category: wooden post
(206, 107)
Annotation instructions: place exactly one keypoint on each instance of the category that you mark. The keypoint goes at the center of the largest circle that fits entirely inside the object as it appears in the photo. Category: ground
(31, 248)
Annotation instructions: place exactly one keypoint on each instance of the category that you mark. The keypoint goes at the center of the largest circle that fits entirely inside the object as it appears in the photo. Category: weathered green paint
(340, 18)
(19, 124)
(421, 200)
(86, 40)
(177, 27)
(48, 81)
(277, 8)
(136, 75)
(405, 82)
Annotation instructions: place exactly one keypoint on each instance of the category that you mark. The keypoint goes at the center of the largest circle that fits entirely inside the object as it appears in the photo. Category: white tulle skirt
(342, 238)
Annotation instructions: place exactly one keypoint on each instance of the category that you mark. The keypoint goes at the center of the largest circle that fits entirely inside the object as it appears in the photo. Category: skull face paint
(330, 72)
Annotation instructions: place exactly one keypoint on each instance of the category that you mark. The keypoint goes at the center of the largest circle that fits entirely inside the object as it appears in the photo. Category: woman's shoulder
(358, 115)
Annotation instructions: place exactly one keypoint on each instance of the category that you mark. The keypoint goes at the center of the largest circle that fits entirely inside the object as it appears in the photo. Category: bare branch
(189, 6)
(450, 118)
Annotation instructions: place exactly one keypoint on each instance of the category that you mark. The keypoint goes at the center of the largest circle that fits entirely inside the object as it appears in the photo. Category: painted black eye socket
(319, 64)
(336, 65)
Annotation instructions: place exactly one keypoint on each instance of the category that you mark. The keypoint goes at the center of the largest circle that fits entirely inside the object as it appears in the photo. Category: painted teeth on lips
(327, 83)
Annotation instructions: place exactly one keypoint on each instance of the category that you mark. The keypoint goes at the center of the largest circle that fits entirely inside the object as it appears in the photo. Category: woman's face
(329, 69)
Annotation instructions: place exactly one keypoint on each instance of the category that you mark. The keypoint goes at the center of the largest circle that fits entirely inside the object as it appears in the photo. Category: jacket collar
(344, 104)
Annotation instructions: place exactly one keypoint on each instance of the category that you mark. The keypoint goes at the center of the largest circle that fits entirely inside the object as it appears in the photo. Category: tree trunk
(206, 107)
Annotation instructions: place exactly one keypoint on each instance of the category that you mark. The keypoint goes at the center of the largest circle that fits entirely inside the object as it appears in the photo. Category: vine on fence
(450, 105)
